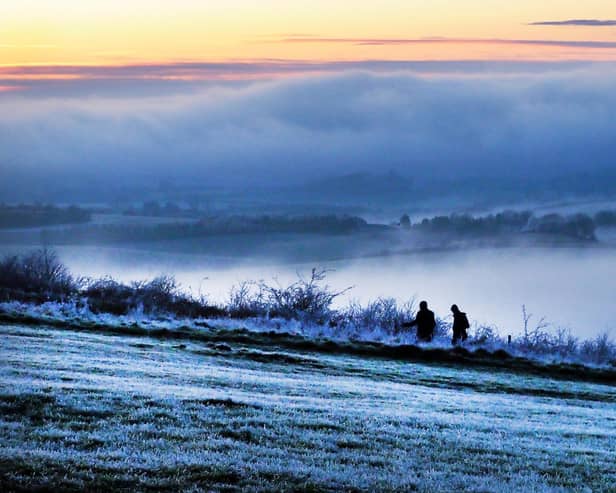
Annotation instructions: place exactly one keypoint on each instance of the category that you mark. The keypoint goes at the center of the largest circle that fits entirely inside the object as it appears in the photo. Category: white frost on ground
(90, 410)
(80, 314)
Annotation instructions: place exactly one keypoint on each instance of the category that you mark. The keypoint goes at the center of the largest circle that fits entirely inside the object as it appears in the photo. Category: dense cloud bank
(272, 133)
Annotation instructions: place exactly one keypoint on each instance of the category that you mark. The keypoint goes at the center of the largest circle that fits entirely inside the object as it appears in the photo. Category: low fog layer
(572, 288)
(519, 128)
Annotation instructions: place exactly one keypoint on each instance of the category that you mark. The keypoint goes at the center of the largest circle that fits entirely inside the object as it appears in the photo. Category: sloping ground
(294, 335)
(98, 411)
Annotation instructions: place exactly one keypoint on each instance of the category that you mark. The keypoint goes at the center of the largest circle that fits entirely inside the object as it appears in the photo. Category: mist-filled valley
(490, 284)
(557, 260)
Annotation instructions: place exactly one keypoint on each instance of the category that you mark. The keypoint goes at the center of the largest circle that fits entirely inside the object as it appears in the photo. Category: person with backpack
(460, 324)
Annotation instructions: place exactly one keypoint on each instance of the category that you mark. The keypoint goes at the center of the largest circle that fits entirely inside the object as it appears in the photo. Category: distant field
(91, 411)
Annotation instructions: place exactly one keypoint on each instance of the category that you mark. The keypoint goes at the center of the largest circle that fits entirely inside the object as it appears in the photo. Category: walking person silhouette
(460, 324)
(425, 322)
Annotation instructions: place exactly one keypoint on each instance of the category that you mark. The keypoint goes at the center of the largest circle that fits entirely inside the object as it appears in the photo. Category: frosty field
(95, 411)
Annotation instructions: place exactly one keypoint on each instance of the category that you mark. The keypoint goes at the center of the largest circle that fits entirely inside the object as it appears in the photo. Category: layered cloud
(577, 22)
(278, 132)
(252, 69)
(143, 79)
(592, 44)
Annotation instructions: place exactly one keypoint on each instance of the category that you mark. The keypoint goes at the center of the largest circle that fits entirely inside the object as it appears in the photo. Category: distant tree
(151, 208)
(605, 218)
(405, 221)
(171, 208)
(578, 226)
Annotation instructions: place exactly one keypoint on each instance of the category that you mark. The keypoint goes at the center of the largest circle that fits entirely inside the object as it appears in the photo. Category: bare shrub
(107, 295)
(564, 343)
(38, 275)
(442, 329)
(247, 300)
(305, 299)
(160, 295)
(539, 340)
(484, 334)
(534, 338)
(383, 313)
(600, 350)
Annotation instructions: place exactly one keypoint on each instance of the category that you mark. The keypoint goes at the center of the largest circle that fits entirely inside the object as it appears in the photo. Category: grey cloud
(438, 40)
(271, 133)
(577, 22)
(147, 80)
(208, 70)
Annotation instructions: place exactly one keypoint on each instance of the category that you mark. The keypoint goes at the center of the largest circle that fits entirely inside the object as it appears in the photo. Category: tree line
(579, 226)
(30, 216)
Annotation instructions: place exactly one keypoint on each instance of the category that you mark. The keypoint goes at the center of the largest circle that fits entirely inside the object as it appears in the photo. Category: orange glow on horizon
(115, 33)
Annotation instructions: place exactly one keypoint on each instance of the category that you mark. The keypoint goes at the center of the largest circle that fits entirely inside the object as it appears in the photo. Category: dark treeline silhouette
(155, 209)
(209, 226)
(29, 216)
(605, 218)
(465, 224)
(578, 226)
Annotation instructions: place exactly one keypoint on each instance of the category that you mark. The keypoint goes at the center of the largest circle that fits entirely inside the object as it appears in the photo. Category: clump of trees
(465, 224)
(578, 226)
(539, 339)
(39, 277)
(155, 209)
(36, 276)
(605, 218)
(29, 216)
(306, 299)
(209, 226)
(160, 295)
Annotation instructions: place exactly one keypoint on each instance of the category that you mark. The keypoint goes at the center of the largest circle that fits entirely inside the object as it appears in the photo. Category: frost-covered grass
(368, 326)
(92, 411)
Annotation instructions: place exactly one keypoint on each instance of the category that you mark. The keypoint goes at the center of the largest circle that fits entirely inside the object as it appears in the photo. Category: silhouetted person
(460, 324)
(425, 322)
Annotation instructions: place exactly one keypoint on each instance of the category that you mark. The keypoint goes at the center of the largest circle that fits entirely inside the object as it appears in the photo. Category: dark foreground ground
(82, 410)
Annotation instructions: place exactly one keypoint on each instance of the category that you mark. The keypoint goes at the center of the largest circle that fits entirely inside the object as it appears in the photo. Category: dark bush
(384, 314)
(605, 218)
(36, 276)
(108, 296)
(247, 300)
(28, 216)
(304, 299)
(160, 295)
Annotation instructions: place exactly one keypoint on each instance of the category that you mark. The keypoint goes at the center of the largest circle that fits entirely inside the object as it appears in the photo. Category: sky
(254, 89)
(116, 32)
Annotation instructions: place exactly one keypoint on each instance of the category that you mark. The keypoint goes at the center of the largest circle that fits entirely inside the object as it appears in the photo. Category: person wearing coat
(460, 325)
(425, 322)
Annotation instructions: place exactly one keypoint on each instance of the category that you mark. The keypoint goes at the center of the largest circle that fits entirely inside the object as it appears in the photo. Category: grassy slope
(98, 411)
